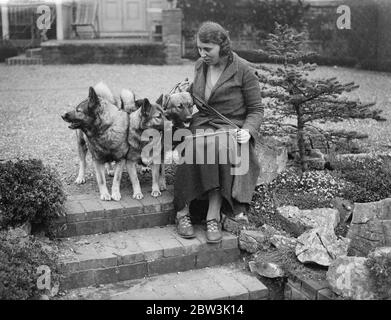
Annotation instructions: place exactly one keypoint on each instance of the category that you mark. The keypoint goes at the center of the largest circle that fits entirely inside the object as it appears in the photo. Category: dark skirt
(194, 181)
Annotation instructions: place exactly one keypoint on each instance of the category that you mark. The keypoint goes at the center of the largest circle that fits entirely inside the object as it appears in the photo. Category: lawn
(34, 97)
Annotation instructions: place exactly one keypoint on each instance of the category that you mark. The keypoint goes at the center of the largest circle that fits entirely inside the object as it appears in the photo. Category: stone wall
(297, 288)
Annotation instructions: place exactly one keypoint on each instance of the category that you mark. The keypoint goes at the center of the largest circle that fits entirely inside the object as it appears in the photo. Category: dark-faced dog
(148, 118)
(105, 130)
(178, 108)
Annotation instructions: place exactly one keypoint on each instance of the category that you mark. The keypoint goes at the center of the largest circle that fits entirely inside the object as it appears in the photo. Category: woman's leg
(215, 201)
(184, 212)
(213, 229)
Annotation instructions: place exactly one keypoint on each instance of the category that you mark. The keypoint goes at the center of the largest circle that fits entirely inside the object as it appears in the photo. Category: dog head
(178, 108)
(85, 113)
(152, 114)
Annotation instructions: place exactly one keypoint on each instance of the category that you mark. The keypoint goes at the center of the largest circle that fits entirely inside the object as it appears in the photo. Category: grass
(34, 97)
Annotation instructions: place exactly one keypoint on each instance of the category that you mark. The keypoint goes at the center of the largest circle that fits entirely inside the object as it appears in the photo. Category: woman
(225, 82)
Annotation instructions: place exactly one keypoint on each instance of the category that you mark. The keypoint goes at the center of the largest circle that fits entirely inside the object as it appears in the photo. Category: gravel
(34, 97)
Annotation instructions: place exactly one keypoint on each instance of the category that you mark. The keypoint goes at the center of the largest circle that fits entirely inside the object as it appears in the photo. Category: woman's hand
(242, 136)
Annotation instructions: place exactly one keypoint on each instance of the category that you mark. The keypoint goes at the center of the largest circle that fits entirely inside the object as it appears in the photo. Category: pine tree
(295, 95)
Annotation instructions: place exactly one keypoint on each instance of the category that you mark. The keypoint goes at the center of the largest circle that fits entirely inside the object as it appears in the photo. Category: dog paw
(105, 197)
(138, 196)
(156, 193)
(116, 196)
(162, 185)
(111, 173)
(80, 180)
(145, 169)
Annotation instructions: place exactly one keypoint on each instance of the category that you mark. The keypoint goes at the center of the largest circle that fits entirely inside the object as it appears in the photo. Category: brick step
(134, 254)
(87, 214)
(23, 60)
(223, 282)
(34, 53)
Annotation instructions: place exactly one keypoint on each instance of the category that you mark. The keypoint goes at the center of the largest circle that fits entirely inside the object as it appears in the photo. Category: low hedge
(106, 53)
(7, 51)
(30, 192)
(20, 258)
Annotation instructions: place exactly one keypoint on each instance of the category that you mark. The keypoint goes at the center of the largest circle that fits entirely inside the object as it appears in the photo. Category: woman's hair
(212, 32)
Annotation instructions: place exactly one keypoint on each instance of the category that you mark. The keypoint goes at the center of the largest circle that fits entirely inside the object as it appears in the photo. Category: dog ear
(139, 103)
(93, 97)
(160, 100)
(146, 107)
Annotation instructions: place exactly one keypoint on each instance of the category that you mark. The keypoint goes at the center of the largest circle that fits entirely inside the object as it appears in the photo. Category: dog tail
(103, 91)
(128, 103)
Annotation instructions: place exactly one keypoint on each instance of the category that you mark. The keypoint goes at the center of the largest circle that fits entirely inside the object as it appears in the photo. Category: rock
(378, 252)
(282, 242)
(349, 278)
(316, 153)
(230, 225)
(315, 163)
(270, 231)
(321, 246)
(266, 269)
(16, 233)
(273, 157)
(252, 240)
(344, 207)
(370, 227)
(26, 227)
(299, 221)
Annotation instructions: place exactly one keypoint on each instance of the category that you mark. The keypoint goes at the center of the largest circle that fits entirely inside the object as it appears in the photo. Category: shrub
(29, 192)
(262, 209)
(321, 184)
(6, 51)
(304, 201)
(370, 178)
(258, 16)
(19, 260)
(379, 266)
(260, 57)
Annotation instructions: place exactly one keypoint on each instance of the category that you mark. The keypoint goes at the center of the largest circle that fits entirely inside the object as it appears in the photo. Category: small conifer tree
(308, 101)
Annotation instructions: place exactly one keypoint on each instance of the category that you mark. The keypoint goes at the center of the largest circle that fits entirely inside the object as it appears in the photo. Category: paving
(211, 283)
(130, 250)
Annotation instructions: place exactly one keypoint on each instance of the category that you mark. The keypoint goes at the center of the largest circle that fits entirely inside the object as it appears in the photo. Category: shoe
(184, 227)
(213, 231)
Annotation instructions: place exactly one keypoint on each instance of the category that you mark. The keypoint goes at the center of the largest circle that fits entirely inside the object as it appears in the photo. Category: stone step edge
(86, 214)
(154, 256)
(225, 282)
(22, 59)
(89, 207)
(34, 53)
(133, 246)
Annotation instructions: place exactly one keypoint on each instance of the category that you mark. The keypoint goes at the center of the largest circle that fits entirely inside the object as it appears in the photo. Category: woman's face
(209, 52)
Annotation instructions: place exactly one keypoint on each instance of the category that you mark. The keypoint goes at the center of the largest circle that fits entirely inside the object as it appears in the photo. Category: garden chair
(86, 15)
